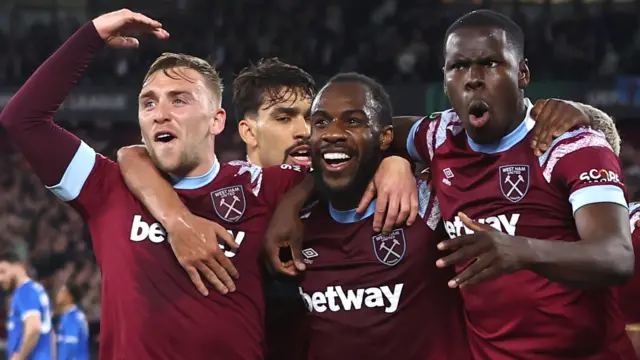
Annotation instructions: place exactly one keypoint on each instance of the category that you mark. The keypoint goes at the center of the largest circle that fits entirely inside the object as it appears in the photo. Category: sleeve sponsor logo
(599, 175)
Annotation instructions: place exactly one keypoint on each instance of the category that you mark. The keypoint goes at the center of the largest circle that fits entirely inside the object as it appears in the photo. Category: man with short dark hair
(550, 233)
(29, 325)
(366, 293)
(271, 100)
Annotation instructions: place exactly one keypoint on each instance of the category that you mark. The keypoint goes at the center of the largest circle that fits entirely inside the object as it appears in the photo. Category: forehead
(342, 96)
(178, 78)
(285, 97)
(475, 42)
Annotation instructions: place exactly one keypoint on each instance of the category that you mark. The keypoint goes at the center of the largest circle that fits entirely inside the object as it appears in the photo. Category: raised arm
(194, 240)
(61, 160)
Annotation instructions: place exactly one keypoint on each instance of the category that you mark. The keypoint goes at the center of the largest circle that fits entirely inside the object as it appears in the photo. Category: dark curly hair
(264, 81)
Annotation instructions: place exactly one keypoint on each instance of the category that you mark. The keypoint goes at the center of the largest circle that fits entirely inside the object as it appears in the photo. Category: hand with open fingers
(491, 253)
(553, 118)
(200, 246)
(284, 233)
(114, 27)
(394, 184)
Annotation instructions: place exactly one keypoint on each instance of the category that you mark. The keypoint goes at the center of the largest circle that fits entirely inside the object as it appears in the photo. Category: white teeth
(336, 156)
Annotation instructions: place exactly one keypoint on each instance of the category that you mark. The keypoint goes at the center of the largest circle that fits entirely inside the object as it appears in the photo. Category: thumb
(367, 197)
(471, 224)
(123, 42)
(296, 254)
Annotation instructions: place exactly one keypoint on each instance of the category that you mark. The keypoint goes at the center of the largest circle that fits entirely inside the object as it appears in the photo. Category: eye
(353, 121)
(320, 122)
(148, 105)
(458, 66)
(179, 101)
(491, 64)
(283, 119)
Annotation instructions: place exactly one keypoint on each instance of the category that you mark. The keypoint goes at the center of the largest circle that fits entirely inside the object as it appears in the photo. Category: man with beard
(558, 231)
(366, 292)
(29, 328)
(271, 100)
(180, 115)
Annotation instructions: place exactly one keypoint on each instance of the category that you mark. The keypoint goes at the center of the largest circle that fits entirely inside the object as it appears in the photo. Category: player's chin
(337, 185)
(337, 180)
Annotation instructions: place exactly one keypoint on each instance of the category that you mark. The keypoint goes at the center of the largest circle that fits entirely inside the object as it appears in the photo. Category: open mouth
(478, 113)
(164, 137)
(301, 155)
(336, 160)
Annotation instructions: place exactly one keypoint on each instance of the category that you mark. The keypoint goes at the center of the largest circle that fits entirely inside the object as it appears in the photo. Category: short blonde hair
(168, 61)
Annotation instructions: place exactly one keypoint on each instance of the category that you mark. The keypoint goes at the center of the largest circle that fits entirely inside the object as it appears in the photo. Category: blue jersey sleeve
(28, 300)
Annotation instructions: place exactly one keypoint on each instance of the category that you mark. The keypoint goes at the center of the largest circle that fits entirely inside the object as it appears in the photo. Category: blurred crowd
(391, 40)
(394, 41)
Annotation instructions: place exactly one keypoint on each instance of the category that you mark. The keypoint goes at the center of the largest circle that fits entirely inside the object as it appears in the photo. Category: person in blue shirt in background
(73, 330)
(29, 332)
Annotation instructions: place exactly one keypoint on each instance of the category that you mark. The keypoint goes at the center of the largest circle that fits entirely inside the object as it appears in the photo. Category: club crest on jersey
(390, 249)
(229, 203)
(514, 181)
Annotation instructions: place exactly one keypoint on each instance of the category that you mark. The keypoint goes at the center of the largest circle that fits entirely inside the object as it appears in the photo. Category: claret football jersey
(523, 315)
(374, 296)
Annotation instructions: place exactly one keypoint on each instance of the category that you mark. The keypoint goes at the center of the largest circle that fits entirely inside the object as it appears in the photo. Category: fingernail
(440, 263)
(452, 284)
(441, 246)
(205, 293)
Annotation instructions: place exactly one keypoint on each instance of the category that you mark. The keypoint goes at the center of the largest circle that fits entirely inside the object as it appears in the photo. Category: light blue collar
(196, 182)
(511, 139)
(350, 216)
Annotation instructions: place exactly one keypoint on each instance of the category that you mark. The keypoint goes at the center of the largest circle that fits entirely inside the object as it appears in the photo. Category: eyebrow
(172, 93)
(348, 112)
(287, 110)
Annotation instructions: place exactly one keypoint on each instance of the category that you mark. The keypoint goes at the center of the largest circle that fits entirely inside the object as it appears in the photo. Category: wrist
(174, 219)
(529, 252)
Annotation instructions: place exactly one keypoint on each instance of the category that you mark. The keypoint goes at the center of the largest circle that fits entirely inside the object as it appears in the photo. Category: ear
(386, 137)
(218, 122)
(247, 131)
(524, 76)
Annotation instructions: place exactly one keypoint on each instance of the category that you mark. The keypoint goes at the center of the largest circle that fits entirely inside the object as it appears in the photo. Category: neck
(203, 167)
(521, 112)
(346, 200)
(66, 307)
(21, 276)
(253, 157)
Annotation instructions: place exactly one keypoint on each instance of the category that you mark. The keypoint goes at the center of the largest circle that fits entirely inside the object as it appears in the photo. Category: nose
(334, 133)
(162, 112)
(475, 78)
(301, 128)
